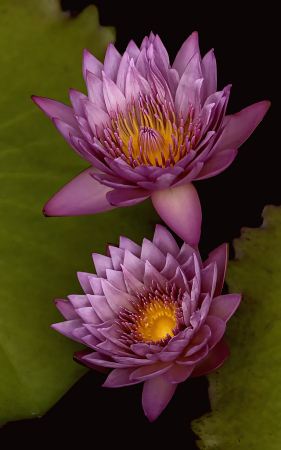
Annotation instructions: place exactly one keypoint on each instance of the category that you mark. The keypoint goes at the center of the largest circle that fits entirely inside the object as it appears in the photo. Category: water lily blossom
(152, 313)
(147, 128)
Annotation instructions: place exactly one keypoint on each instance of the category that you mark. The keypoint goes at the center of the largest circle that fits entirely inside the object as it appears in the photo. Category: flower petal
(164, 240)
(209, 72)
(75, 98)
(89, 315)
(127, 244)
(122, 72)
(151, 253)
(79, 356)
(91, 63)
(127, 197)
(53, 108)
(187, 50)
(180, 209)
(155, 396)
(219, 162)
(134, 265)
(198, 341)
(217, 327)
(66, 309)
(112, 61)
(79, 301)
(101, 307)
(219, 256)
(213, 360)
(151, 371)
(225, 306)
(178, 373)
(81, 196)
(83, 278)
(242, 124)
(102, 263)
(151, 274)
(95, 90)
(117, 298)
(67, 326)
(119, 378)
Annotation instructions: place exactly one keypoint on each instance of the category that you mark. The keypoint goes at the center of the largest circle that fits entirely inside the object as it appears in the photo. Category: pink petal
(75, 98)
(185, 253)
(116, 278)
(79, 356)
(219, 256)
(95, 90)
(117, 298)
(91, 63)
(152, 275)
(187, 50)
(170, 267)
(112, 61)
(192, 73)
(242, 124)
(151, 253)
(161, 50)
(101, 307)
(156, 396)
(84, 281)
(101, 360)
(146, 372)
(67, 326)
(79, 301)
(209, 278)
(81, 196)
(225, 306)
(117, 257)
(133, 50)
(219, 162)
(122, 72)
(128, 197)
(95, 116)
(66, 309)
(66, 131)
(53, 108)
(102, 263)
(95, 283)
(134, 264)
(180, 209)
(198, 341)
(217, 327)
(119, 378)
(213, 360)
(127, 244)
(113, 96)
(132, 282)
(89, 315)
(178, 373)
(209, 72)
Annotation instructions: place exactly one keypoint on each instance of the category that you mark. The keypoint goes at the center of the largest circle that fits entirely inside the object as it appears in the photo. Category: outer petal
(78, 356)
(119, 378)
(219, 256)
(53, 108)
(209, 72)
(66, 308)
(242, 124)
(187, 50)
(178, 373)
(91, 63)
(127, 197)
(155, 396)
(81, 196)
(217, 164)
(112, 61)
(180, 209)
(165, 242)
(213, 360)
(225, 306)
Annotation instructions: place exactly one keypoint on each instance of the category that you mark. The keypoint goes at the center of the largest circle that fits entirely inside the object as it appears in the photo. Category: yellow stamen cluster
(147, 133)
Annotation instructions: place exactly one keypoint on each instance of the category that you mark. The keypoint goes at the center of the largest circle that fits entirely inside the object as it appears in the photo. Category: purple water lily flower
(153, 313)
(146, 127)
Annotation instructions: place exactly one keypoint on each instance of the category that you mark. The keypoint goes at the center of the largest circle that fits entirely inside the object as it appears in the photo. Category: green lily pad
(41, 53)
(245, 392)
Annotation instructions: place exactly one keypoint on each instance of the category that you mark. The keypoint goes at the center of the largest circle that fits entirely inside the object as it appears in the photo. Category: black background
(244, 38)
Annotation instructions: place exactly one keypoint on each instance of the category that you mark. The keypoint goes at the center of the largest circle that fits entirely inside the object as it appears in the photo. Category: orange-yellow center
(157, 321)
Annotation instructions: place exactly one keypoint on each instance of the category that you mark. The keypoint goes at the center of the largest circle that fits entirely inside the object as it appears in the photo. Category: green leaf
(245, 392)
(41, 53)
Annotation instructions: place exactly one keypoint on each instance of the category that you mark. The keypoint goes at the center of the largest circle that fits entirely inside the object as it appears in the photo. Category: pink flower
(147, 127)
(152, 313)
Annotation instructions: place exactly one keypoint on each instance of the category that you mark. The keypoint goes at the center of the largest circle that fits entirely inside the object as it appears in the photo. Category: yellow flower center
(157, 321)
(159, 316)
(149, 135)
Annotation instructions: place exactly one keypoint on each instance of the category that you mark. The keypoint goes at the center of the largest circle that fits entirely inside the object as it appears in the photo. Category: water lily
(148, 129)
(152, 313)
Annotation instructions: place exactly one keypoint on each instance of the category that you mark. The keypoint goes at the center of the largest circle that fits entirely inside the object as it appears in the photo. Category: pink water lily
(151, 314)
(148, 129)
